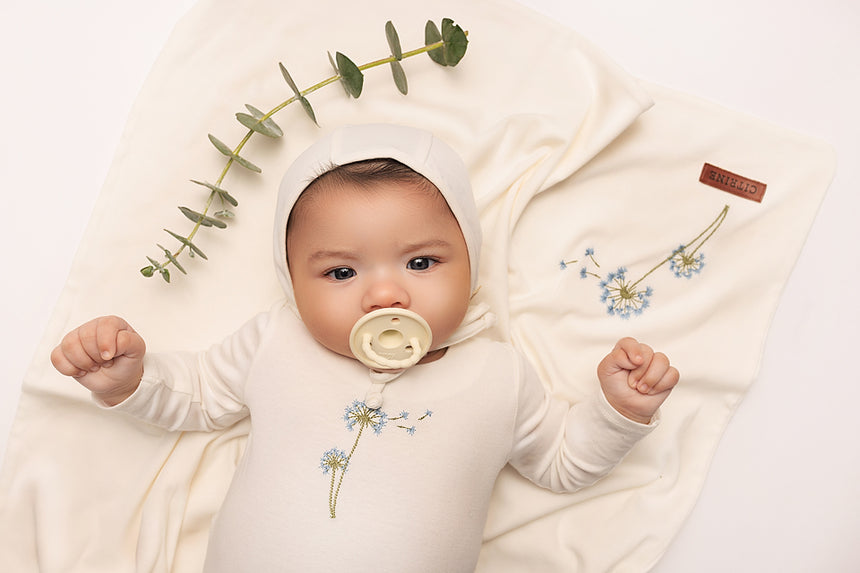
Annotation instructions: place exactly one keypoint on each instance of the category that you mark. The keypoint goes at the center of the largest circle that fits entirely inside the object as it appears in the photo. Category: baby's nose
(385, 293)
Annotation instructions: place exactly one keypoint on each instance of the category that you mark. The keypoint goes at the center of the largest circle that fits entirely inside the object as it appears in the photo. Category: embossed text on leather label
(732, 183)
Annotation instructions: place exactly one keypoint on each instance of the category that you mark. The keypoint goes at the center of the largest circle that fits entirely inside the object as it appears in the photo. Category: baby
(379, 419)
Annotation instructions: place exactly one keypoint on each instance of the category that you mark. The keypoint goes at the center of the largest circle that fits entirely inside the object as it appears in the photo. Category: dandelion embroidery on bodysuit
(360, 417)
(624, 297)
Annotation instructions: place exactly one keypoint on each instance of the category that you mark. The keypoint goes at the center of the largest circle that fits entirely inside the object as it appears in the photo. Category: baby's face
(354, 250)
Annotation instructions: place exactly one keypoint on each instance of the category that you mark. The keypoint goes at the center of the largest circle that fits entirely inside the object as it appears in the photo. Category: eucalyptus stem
(445, 48)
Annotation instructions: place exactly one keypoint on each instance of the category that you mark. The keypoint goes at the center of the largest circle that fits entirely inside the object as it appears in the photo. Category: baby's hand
(636, 380)
(105, 355)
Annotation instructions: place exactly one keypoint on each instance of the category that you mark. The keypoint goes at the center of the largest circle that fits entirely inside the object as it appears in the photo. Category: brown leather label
(732, 183)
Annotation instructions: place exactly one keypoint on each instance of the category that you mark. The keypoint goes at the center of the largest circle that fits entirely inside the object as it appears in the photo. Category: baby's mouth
(390, 339)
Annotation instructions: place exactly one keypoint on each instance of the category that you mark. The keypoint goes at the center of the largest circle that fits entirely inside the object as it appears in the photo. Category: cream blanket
(588, 184)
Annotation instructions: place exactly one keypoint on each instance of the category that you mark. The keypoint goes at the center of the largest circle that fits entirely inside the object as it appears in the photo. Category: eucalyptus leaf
(399, 77)
(172, 259)
(187, 242)
(206, 184)
(352, 77)
(165, 274)
(225, 213)
(261, 127)
(194, 216)
(433, 36)
(456, 42)
(393, 41)
(257, 113)
(220, 146)
(246, 164)
(148, 271)
(338, 74)
(289, 80)
(225, 196)
(202, 219)
(306, 105)
(266, 121)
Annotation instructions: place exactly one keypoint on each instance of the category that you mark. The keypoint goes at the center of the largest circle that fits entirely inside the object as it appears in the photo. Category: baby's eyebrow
(426, 245)
(333, 254)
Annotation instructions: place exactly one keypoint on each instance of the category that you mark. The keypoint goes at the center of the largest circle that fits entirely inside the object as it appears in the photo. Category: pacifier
(390, 339)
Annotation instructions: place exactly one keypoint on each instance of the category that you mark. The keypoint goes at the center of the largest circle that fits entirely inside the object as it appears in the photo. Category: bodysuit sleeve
(197, 391)
(566, 447)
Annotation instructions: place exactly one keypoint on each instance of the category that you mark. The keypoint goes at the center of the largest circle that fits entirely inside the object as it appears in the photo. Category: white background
(783, 493)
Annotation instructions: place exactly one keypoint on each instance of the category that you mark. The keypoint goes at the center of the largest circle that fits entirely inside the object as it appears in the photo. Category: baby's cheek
(443, 324)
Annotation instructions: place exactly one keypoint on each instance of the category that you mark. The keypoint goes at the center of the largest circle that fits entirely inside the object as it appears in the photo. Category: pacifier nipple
(390, 339)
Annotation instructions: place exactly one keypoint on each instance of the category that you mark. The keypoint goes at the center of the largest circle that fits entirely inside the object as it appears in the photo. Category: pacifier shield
(390, 338)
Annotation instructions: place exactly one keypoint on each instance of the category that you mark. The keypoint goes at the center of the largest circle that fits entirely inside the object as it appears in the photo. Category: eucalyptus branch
(446, 47)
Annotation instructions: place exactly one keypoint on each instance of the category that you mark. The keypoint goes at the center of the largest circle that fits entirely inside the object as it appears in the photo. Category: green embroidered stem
(643, 277)
(715, 224)
(333, 500)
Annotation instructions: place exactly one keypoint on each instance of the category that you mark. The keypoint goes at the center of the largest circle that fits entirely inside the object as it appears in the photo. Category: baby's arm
(105, 355)
(197, 391)
(565, 447)
(636, 380)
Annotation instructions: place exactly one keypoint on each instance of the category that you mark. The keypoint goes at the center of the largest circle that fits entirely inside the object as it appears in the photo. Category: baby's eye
(341, 273)
(421, 263)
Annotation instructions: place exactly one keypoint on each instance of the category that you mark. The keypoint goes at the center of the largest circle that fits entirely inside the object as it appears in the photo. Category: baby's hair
(363, 174)
(369, 172)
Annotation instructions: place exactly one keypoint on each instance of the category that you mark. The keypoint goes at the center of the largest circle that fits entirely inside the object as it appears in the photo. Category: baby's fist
(105, 355)
(636, 380)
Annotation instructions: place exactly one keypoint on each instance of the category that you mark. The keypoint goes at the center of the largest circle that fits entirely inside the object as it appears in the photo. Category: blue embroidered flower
(622, 297)
(686, 265)
(334, 460)
(364, 416)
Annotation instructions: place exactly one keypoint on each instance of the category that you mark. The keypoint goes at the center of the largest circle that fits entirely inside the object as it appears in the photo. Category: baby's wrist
(120, 393)
(114, 398)
(637, 417)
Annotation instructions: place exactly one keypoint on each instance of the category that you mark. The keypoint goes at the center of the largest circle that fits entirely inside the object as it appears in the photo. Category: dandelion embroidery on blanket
(625, 297)
(360, 417)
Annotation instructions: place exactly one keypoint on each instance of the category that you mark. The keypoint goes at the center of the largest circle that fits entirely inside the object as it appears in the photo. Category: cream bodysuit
(327, 483)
